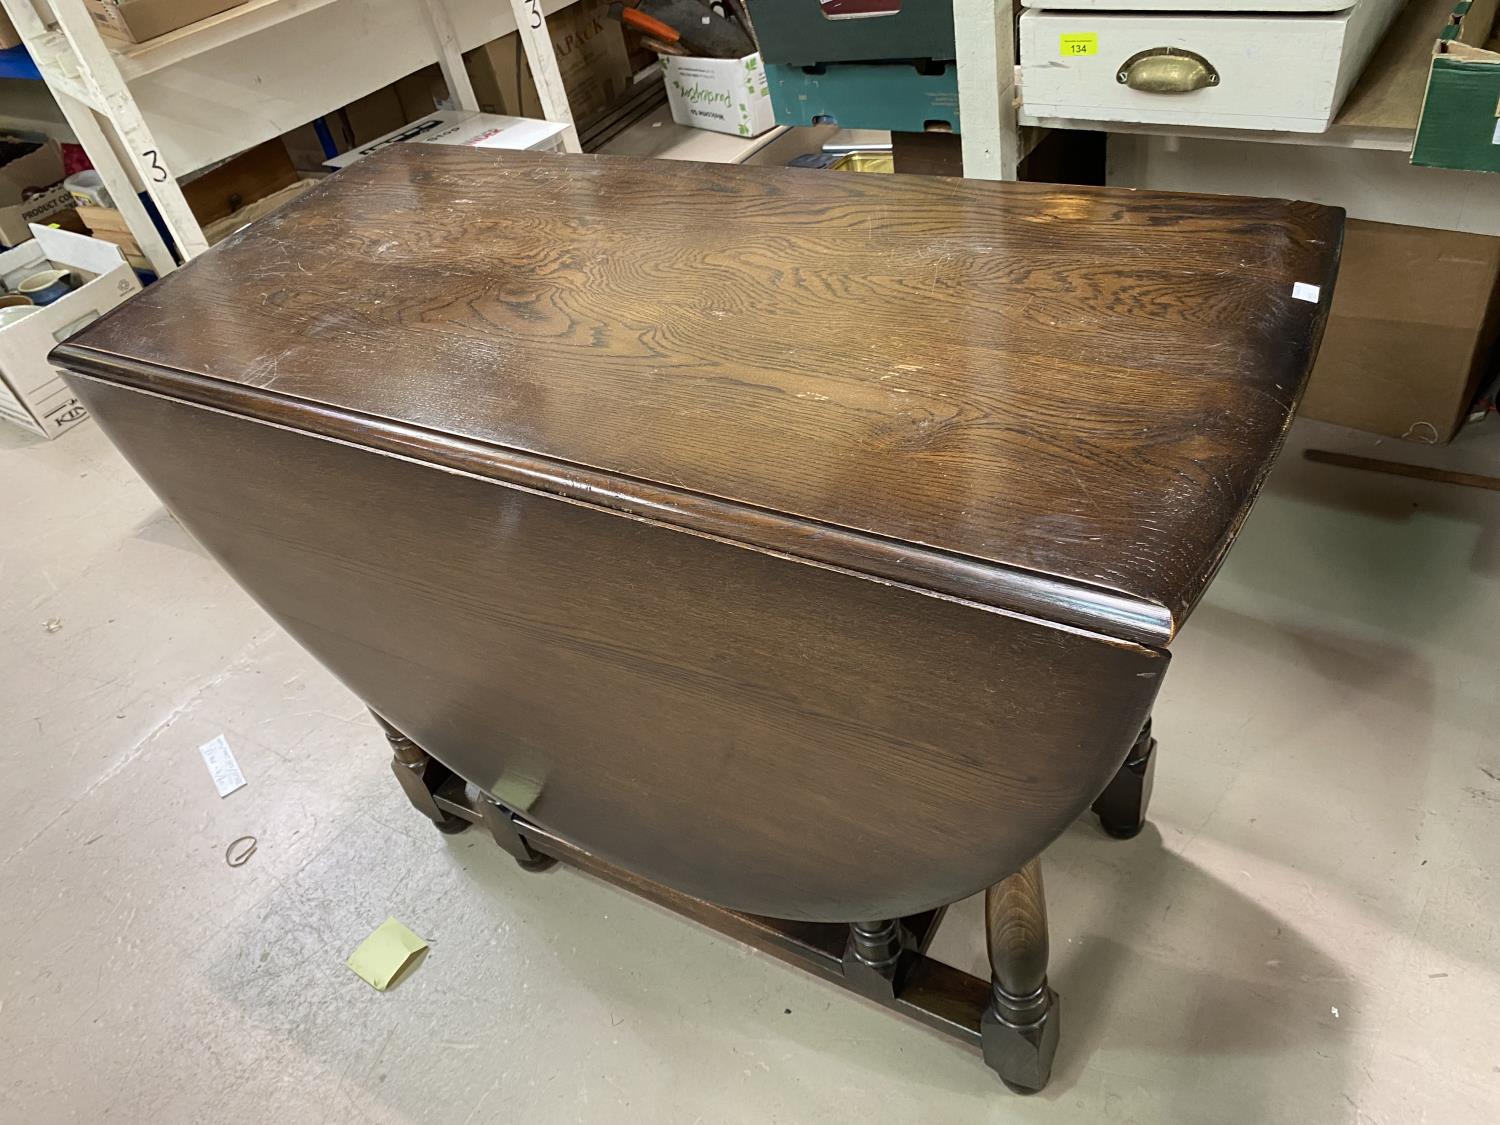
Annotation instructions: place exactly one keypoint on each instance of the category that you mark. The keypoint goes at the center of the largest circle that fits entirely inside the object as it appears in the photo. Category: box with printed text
(725, 95)
(32, 393)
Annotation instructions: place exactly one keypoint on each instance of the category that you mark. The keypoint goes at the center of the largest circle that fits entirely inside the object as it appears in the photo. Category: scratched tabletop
(1081, 384)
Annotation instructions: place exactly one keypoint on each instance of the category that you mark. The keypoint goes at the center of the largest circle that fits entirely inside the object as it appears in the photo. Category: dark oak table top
(1054, 400)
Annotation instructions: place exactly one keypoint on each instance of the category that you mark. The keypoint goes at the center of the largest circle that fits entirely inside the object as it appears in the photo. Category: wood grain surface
(1015, 927)
(1055, 400)
(775, 737)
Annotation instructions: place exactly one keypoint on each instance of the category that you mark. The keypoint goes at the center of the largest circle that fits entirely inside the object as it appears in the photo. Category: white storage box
(1281, 65)
(463, 127)
(32, 393)
(724, 95)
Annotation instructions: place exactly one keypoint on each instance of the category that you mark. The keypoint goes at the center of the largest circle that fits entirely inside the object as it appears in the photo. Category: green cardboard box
(1460, 122)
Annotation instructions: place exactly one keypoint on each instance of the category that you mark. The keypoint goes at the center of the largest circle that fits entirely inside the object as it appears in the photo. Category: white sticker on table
(1302, 291)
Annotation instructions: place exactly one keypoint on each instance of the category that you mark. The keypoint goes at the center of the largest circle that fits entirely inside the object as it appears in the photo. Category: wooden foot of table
(420, 776)
(442, 796)
(1020, 1025)
(873, 957)
(502, 825)
(1121, 808)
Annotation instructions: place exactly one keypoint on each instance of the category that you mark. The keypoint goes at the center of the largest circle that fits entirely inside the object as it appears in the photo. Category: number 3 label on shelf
(154, 166)
(1080, 43)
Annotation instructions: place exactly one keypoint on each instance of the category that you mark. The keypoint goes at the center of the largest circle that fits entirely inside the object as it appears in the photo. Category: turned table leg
(1019, 1029)
(419, 776)
(872, 956)
(1122, 806)
(497, 818)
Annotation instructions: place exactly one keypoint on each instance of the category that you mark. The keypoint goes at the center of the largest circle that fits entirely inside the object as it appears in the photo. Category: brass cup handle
(1167, 70)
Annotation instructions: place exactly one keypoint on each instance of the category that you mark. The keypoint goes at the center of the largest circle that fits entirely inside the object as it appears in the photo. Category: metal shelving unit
(151, 113)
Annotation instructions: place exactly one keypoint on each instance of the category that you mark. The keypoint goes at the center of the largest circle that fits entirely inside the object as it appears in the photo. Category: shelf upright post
(111, 96)
(82, 119)
(531, 22)
(450, 55)
(986, 41)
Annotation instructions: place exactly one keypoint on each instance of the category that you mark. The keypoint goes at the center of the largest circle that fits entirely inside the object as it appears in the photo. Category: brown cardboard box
(421, 93)
(220, 229)
(304, 146)
(140, 20)
(371, 116)
(502, 79)
(31, 189)
(232, 192)
(591, 57)
(1415, 316)
(228, 186)
(359, 122)
(108, 225)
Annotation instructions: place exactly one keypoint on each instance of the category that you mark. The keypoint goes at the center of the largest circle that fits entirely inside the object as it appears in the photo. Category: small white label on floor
(1302, 291)
(221, 766)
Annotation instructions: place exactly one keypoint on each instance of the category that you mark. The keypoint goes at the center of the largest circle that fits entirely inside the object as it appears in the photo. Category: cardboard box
(369, 117)
(220, 229)
(724, 95)
(140, 20)
(1460, 122)
(31, 188)
(456, 127)
(501, 78)
(365, 119)
(1414, 320)
(231, 184)
(305, 147)
(423, 93)
(228, 193)
(8, 36)
(360, 122)
(108, 225)
(32, 393)
(591, 57)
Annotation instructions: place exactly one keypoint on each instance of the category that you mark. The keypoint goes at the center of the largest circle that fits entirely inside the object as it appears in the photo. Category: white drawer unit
(1286, 68)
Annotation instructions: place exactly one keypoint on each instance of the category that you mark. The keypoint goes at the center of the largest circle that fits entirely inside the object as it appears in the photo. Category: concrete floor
(1305, 933)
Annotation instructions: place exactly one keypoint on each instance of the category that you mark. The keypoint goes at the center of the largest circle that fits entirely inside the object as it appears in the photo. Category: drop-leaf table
(800, 550)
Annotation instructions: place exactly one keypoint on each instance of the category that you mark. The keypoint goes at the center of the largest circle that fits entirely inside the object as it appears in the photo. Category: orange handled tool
(649, 25)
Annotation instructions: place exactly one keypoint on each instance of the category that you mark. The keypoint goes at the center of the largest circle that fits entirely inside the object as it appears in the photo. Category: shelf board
(656, 134)
(136, 59)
